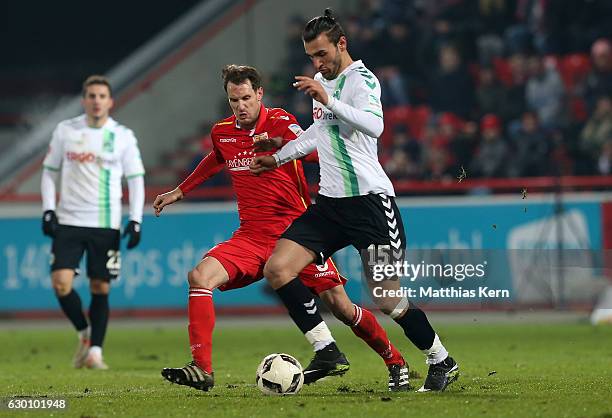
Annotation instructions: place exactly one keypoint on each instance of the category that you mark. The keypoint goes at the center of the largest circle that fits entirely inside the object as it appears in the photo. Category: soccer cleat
(320, 368)
(399, 377)
(190, 375)
(94, 361)
(80, 355)
(440, 375)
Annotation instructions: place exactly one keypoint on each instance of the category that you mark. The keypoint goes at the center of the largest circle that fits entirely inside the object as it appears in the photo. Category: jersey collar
(263, 115)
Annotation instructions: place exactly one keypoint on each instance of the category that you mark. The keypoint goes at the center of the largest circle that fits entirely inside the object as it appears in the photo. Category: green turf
(555, 370)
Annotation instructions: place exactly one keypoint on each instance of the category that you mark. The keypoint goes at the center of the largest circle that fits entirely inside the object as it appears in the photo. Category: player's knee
(99, 287)
(61, 288)
(198, 279)
(277, 272)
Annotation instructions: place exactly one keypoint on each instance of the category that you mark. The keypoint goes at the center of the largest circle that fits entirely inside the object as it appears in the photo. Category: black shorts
(362, 221)
(101, 244)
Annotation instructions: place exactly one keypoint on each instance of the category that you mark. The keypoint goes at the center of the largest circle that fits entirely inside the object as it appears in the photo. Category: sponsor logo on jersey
(241, 161)
(227, 140)
(81, 157)
(319, 114)
(295, 128)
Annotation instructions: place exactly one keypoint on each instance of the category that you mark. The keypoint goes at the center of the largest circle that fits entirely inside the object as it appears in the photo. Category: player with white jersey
(91, 153)
(356, 204)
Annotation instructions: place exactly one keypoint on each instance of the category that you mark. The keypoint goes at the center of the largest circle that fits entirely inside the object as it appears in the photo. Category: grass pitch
(507, 370)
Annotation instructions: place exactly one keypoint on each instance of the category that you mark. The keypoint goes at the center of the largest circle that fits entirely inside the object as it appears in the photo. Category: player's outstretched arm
(166, 199)
(366, 114)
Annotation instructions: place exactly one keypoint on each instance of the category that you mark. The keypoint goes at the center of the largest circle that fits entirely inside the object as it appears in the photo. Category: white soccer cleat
(94, 361)
(80, 355)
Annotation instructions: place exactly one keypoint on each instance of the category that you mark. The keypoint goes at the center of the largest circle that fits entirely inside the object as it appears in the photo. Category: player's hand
(262, 163)
(267, 144)
(312, 88)
(167, 198)
(49, 223)
(132, 229)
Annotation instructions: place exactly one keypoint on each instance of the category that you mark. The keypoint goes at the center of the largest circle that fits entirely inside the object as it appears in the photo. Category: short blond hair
(97, 79)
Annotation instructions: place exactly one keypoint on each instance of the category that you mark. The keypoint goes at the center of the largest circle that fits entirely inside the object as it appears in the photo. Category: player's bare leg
(365, 325)
(98, 318)
(443, 370)
(71, 305)
(287, 260)
(203, 279)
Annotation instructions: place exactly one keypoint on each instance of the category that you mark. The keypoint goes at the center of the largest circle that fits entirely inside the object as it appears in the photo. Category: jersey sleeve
(292, 130)
(53, 159)
(131, 160)
(362, 110)
(210, 165)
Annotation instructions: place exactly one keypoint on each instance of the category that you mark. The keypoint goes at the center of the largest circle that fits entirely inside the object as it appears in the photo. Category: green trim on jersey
(367, 75)
(108, 144)
(339, 86)
(374, 113)
(104, 208)
(48, 167)
(351, 184)
(131, 176)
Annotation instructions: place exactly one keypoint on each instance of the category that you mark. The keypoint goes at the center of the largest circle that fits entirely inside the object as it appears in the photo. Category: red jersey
(273, 198)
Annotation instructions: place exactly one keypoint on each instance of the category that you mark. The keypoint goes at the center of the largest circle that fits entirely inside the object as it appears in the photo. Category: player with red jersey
(266, 205)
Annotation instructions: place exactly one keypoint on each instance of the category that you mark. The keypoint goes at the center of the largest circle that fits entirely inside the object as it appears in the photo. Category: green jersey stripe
(104, 199)
(351, 184)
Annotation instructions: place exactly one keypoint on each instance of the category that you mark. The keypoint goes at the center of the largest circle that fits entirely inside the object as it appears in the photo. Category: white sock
(436, 353)
(320, 336)
(95, 350)
(84, 333)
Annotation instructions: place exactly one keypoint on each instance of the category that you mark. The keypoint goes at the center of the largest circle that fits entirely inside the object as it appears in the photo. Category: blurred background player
(356, 204)
(266, 206)
(91, 153)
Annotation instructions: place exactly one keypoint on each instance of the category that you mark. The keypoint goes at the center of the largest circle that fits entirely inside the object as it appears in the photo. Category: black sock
(417, 328)
(72, 307)
(301, 305)
(98, 316)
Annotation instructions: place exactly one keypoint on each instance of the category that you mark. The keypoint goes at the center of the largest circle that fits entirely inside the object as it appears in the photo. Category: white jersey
(92, 162)
(346, 134)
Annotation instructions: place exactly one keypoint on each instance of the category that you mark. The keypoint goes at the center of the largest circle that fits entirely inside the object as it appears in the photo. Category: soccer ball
(280, 374)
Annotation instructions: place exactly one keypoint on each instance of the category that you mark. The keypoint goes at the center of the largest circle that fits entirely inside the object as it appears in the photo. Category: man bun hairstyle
(326, 24)
(238, 74)
(97, 79)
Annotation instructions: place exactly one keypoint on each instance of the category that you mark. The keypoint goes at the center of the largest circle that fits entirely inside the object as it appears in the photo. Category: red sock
(201, 324)
(366, 327)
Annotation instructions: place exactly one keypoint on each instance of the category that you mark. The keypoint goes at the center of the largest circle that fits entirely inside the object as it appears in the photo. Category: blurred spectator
(604, 162)
(515, 104)
(451, 87)
(490, 94)
(402, 166)
(530, 149)
(296, 58)
(463, 146)
(599, 80)
(402, 141)
(398, 66)
(598, 129)
(490, 159)
(544, 92)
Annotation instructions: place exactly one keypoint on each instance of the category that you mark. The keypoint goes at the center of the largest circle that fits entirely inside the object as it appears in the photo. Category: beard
(335, 67)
